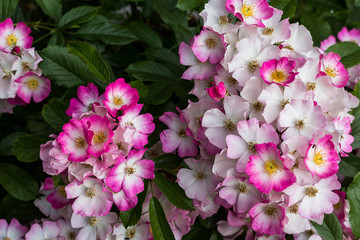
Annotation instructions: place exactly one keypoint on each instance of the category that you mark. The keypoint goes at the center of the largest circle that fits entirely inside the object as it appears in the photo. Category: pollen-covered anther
(99, 137)
(258, 106)
(319, 158)
(71, 236)
(242, 188)
(32, 84)
(232, 81)
(271, 168)
(223, 20)
(311, 191)
(283, 103)
(130, 170)
(229, 125)
(253, 65)
(330, 71)
(252, 147)
(92, 221)
(118, 100)
(270, 210)
(182, 132)
(11, 40)
(79, 142)
(310, 86)
(199, 175)
(90, 192)
(289, 47)
(268, 31)
(248, 10)
(130, 233)
(25, 66)
(211, 43)
(293, 209)
(300, 124)
(278, 76)
(61, 191)
(120, 146)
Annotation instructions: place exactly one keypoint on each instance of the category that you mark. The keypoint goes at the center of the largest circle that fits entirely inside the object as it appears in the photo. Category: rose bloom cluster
(272, 119)
(346, 36)
(98, 158)
(20, 75)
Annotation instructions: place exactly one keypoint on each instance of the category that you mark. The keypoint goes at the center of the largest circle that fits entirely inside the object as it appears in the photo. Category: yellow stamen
(268, 31)
(99, 137)
(330, 71)
(278, 76)
(310, 86)
(223, 20)
(311, 191)
(229, 125)
(79, 142)
(90, 192)
(247, 10)
(118, 100)
(253, 65)
(242, 188)
(130, 170)
(319, 158)
(258, 106)
(300, 124)
(32, 84)
(211, 43)
(270, 210)
(271, 168)
(11, 40)
(130, 233)
(293, 209)
(92, 221)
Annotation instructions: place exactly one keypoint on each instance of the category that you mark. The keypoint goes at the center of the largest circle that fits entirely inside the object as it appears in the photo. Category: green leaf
(8, 141)
(26, 148)
(17, 182)
(92, 58)
(57, 38)
(140, 87)
(197, 232)
(353, 195)
(64, 68)
(349, 166)
(165, 56)
(109, 33)
(317, 26)
(355, 125)
(288, 7)
(330, 229)
(173, 192)
(348, 51)
(171, 15)
(77, 16)
(167, 161)
(7, 7)
(150, 71)
(52, 8)
(187, 4)
(159, 224)
(146, 34)
(160, 92)
(54, 114)
(132, 216)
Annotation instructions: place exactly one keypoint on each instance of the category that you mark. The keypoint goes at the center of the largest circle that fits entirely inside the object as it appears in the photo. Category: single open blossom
(33, 86)
(267, 170)
(123, 202)
(276, 29)
(127, 173)
(250, 11)
(92, 199)
(279, 72)
(14, 230)
(99, 135)
(321, 158)
(267, 218)
(11, 37)
(74, 140)
(119, 96)
(333, 68)
(209, 45)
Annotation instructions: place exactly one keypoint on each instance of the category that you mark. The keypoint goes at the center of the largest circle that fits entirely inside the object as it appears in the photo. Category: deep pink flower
(279, 72)
(331, 40)
(334, 69)
(100, 134)
(349, 36)
(33, 86)
(267, 218)
(18, 37)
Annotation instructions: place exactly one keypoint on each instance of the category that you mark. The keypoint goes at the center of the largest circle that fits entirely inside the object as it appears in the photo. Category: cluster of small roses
(346, 36)
(271, 120)
(20, 76)
(99, 156)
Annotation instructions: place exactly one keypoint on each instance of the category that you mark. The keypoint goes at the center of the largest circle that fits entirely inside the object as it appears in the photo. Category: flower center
(242, 188)
(11, 40)
(182, 133)
(253, 65)
(130, 233)
(289, 47)
(99, 137)
(271, 168)
(25, 66)
(32, 84)
(283, 103)
(300, 124)
(247, 10)
(79, 142)
(268, 31)
(229, 125)
(61, 191)
(223, 20)
(130, 170)
(258, 106)
(319, 158)
(199, 175)
(6, 238)
(252, 147)
(211, 43)
(90, 192)
(278, 76)
(330, 71)
(92, 221)
(293, 209)
(120, 146)
(118, 100)
(232, 81)
(310, 86)
(270, 210)
(71, 236)
(311, 191)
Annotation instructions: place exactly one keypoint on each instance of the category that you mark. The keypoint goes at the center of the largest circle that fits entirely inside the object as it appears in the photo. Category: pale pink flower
(267, 171)
(123, 202)
(48, 230)
(296, 223)
(250, 11)
(66, 230)
(14, 230)
(300, 41)
(343, 128)
(33, 86)
(231, 84)
(11, 37)
(349, 36)
(140, 231)
(222, 164)
(120, 96)
(251, 92)
(92, 199)
(268, 218)
(279, 72)
(8, 87)
(325, 44)
(276, 29)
